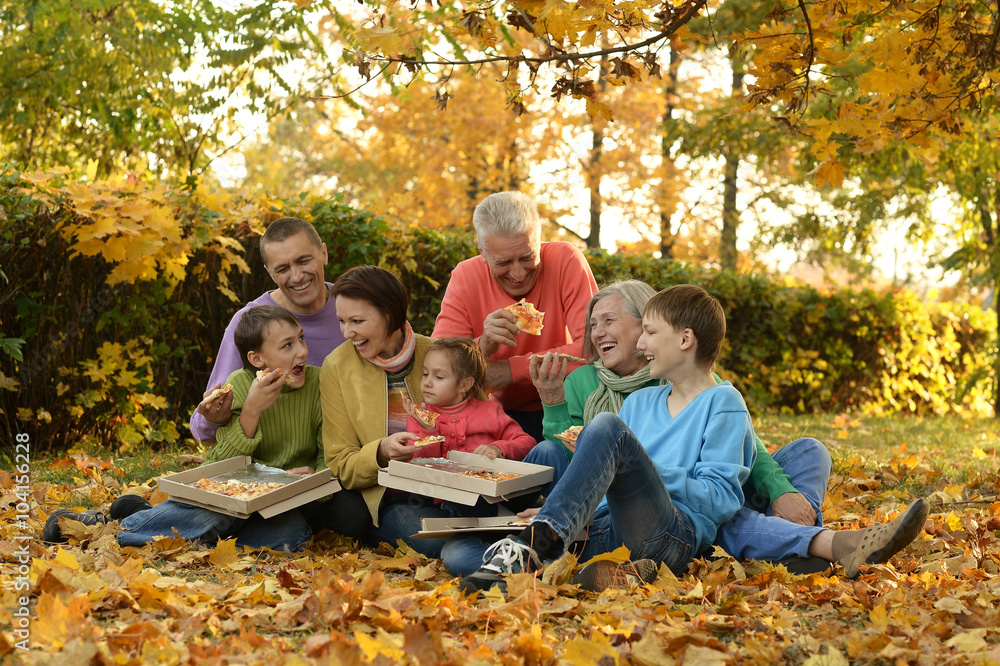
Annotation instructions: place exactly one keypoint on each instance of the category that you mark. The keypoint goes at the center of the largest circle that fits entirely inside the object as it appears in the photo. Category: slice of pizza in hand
(529, 319)
(426, 441)
(264, 374)
(424, 417)
(218, 393)
(570, 434)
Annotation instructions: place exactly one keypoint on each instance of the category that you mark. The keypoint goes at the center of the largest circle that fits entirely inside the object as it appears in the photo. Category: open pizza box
(298, 490)
(440, 528)
(443, 478)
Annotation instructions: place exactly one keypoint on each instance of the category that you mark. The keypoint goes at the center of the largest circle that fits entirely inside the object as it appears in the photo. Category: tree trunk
(728, 256)
(667, 235)
(594, 184)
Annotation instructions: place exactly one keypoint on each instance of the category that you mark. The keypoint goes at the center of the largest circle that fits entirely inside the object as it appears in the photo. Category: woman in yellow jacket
(362, 384)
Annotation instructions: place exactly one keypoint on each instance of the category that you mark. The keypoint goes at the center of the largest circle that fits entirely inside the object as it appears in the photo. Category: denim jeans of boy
(463, 554)
(753, 533)
(609, 461)
(286, 531)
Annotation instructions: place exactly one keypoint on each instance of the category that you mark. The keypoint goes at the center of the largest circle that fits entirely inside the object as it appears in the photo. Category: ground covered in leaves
(92, 602)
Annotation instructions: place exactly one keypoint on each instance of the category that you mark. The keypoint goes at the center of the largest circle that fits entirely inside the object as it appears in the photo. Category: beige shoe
(602, 574)
(880, 542)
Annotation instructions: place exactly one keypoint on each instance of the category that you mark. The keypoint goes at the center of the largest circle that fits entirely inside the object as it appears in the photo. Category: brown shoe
(880, 542)
(602, 574)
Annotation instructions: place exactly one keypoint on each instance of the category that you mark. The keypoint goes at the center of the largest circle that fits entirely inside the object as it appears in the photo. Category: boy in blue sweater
(662, 475)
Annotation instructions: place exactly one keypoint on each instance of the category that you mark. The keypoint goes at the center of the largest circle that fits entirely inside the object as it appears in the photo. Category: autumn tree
(135, 83)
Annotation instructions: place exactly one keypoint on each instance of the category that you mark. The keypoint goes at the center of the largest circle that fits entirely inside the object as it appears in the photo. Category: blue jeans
(464, 554)
(286, 531)
(753, 533)
(399, 518)
(609, 461)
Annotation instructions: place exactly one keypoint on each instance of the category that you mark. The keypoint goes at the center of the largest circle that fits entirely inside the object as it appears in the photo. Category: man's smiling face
(296, 266)
(514, 262)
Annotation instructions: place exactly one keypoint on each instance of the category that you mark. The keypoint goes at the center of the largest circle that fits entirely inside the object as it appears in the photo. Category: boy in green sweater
(277, 420)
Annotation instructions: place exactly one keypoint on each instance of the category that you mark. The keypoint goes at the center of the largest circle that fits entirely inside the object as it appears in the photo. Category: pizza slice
(529, 319)
(426, 441)
(218, 393)
(424, 417)
(264, 374)
(570, 434)
(572, 359)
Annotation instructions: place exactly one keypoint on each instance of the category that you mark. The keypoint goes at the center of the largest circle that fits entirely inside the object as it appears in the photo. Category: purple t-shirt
(322, 332)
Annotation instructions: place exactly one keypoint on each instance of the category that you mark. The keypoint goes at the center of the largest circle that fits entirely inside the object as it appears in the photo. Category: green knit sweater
(289, 433)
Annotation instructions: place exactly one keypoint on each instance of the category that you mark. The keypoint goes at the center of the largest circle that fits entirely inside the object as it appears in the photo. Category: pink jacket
(478, 422)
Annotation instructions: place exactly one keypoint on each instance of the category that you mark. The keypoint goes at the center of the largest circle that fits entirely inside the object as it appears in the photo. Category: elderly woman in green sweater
(790, 486)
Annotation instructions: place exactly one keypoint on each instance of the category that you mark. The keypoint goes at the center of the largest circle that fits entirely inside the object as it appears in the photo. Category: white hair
(506, 214)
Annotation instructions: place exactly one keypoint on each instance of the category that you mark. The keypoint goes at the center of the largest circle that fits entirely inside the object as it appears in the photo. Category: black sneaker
(599, 576)
(126, 505)
(53, 534)
(506, 556)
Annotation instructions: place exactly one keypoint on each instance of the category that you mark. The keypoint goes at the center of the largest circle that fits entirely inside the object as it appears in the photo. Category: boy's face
(284, 347)
(661, 345)
(296, 266)
(439, 383)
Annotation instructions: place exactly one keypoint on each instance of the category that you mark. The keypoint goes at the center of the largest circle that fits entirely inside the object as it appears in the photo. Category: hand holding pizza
(425, 417)
(264, 390)
(217, 404)
(500, 328)
(548, 374)
(396, 447)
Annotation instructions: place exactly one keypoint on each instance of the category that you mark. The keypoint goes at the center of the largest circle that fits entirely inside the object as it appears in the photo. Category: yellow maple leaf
(599, 109)
(829, 173)
(385, 40)
(224, 553)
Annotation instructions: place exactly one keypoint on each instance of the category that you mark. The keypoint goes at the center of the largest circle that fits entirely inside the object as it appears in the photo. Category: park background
(829, 171)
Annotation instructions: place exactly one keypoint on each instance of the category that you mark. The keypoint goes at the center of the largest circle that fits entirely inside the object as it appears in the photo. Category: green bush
(122, 364)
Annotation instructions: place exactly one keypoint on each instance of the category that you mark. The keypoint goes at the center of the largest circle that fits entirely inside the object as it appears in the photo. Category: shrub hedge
(117, 353)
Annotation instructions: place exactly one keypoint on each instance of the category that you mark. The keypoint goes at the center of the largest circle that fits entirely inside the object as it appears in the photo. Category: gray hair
(506, 214)
(634, 295)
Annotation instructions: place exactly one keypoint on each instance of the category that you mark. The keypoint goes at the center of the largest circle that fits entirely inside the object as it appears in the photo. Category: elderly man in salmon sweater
(514, 263)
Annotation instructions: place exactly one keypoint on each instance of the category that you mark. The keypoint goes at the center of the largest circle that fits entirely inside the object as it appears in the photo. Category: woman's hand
(528, 513)
(300, 470)
(491, 451)
(795, 508)
(396, 447)
(548, 374)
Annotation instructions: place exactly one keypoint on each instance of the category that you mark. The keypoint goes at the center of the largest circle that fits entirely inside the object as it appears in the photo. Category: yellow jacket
(355, 416)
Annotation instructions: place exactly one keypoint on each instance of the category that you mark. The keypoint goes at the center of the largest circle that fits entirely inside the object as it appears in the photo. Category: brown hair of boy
(689, 306)
(252, 328)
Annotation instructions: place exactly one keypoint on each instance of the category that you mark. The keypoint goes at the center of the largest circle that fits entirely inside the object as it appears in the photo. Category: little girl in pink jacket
(454, 372)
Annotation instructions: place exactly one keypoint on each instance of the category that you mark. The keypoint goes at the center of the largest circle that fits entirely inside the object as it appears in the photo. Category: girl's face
(439, 383)
(614, 333)
(367, 329)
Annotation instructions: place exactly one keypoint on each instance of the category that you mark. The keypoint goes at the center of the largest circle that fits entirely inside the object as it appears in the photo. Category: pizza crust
(264, 374)
(218, 393)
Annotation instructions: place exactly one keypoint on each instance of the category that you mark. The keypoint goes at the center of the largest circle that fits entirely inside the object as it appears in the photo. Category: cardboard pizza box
(442, 477)
(289, 496)
(495, 526)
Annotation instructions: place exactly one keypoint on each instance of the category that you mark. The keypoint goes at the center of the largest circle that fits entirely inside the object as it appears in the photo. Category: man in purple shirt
(295, 258)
